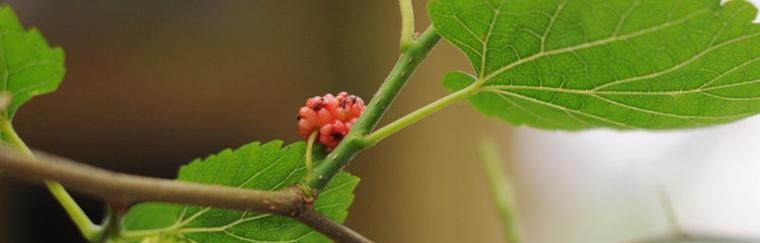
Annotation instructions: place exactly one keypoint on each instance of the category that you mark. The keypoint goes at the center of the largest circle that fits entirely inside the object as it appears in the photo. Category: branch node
(306, 197)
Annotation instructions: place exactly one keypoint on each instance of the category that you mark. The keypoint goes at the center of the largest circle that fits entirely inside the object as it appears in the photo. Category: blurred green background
(151, 85)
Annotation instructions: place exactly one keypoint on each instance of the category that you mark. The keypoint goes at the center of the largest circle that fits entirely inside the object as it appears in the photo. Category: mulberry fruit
(332, 116)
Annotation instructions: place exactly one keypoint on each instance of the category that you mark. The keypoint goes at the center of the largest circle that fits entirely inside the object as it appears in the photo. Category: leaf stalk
(417, 115)
(501, 189)
(309, 164)
(407, 25)
(86, 227)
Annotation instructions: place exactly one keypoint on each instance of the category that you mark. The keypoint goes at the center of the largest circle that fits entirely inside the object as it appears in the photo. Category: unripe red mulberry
(331, 115)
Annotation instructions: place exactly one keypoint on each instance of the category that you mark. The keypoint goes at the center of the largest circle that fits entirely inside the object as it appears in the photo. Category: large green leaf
(28, 66)
(255, 166)
(624, 64)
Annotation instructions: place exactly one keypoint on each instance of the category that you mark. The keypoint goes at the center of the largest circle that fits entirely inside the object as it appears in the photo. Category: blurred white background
(604, 186)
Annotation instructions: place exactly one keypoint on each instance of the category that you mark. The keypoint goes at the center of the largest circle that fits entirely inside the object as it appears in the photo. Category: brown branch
(124, 189)
(339, 233)
(128, 189)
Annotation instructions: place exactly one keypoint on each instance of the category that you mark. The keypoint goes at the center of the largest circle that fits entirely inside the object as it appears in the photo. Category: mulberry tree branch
(354, 142)
(337, 232)
(293, 201)
(86, 227)
(127, 189)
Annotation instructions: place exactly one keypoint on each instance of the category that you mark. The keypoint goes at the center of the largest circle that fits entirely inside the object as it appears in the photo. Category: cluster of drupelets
(332, 116)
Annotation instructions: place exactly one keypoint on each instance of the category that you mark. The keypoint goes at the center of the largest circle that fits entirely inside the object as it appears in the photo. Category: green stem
(353, 143)
(501, 189)
(88, 229)
(309, 148)
(407, 24)
(12, 138)
(419, 114)
(670, 212)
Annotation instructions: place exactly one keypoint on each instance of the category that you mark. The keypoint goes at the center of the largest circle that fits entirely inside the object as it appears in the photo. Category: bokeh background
(152, 85)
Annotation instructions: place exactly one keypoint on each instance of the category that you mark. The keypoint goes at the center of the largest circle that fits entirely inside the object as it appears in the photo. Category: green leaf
(623, 64)
(255, 166)
(28, 66)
